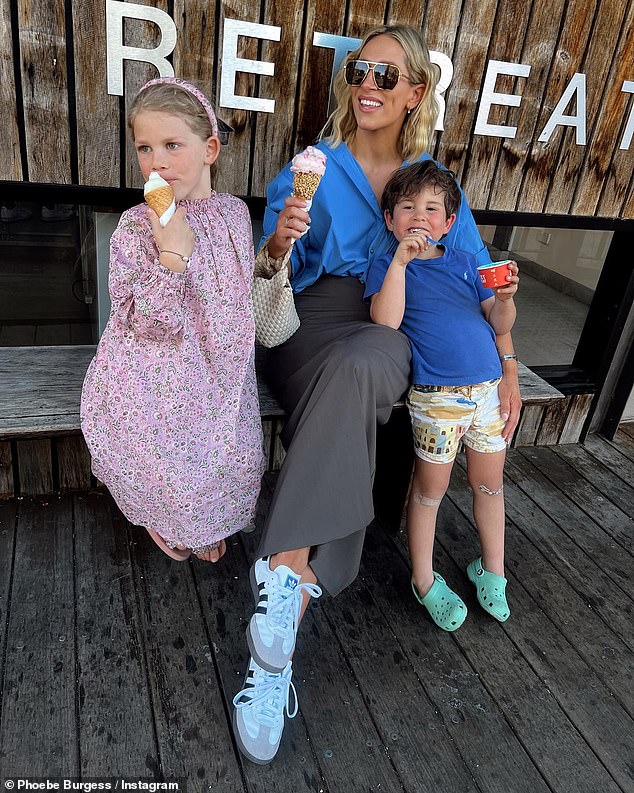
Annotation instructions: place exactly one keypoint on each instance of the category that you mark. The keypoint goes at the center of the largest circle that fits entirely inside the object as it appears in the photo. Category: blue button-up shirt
(347, 230)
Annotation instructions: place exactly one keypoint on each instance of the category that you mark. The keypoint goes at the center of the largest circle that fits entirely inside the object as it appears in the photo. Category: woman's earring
(409, 111)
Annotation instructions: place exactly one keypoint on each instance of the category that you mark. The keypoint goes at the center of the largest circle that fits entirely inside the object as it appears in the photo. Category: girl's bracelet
(186, 259)
(510, 356)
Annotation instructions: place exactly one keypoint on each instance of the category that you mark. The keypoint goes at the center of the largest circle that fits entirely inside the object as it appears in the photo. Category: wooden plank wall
(61, 126)
(97, 114)
(44, 86)
(11, 167)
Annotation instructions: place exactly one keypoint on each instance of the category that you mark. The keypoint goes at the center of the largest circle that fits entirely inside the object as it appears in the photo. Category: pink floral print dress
(169, 405)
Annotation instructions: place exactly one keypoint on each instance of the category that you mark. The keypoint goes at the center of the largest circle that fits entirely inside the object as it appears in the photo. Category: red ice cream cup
(493, 275)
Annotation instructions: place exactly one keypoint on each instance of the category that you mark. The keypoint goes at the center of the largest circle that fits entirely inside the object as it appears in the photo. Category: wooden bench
(42, 450)
(41, 447)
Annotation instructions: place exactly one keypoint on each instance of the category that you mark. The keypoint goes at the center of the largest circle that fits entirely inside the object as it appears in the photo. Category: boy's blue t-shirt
(452, 343)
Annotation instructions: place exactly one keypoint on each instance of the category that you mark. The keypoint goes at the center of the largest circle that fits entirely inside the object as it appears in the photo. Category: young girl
(169, 405)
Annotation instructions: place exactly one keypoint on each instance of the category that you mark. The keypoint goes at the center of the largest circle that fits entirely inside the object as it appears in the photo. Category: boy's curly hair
(409, 181)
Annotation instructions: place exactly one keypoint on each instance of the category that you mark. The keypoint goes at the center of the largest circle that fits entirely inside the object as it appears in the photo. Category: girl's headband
(194, 92)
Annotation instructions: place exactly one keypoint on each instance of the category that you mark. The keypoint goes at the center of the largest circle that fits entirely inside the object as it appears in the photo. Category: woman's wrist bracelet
(509, 356)
(186, 259)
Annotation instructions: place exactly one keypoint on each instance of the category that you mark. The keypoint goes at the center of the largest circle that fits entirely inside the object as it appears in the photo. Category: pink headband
(194, 92)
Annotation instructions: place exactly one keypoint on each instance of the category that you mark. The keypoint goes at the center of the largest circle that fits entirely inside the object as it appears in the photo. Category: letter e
(232, 64)
(490, 97)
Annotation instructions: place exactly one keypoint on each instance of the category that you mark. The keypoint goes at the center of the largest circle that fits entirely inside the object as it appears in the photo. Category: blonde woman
(339, 375)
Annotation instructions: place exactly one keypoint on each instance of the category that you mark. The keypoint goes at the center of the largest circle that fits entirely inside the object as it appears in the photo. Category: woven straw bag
(274, 308)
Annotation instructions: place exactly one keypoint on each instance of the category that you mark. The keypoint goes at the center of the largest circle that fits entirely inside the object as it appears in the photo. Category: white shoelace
(282, 614)
(269, 697)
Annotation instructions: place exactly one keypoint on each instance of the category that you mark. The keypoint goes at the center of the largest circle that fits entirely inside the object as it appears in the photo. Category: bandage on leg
(485, 489)
(424, 501)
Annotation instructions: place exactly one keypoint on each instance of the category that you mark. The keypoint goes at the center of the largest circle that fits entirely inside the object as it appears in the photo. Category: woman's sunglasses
(386, 75)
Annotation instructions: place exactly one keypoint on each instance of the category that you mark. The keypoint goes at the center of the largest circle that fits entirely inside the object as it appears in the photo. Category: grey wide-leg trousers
(337, 377)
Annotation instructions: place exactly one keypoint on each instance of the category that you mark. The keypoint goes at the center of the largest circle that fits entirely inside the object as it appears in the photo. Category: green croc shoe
(491, 590)
(445, 607)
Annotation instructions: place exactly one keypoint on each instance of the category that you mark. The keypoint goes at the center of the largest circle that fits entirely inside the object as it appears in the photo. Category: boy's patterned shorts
(442, 416)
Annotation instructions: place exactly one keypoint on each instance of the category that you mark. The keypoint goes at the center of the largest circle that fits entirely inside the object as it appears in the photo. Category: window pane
(50, 293)
(559, 271)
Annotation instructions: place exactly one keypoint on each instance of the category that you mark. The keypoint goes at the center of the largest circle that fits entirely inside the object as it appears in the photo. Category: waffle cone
(160, 199)
(306, 184)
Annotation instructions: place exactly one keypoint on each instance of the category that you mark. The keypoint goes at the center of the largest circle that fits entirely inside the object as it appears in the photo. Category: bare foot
(213, 554)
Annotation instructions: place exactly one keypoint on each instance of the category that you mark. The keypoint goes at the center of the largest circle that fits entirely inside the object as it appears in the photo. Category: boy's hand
(506, 292)
(411, 246)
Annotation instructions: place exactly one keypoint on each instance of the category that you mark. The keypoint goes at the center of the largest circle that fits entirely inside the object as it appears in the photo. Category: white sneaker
(258, 719)
(272, 630)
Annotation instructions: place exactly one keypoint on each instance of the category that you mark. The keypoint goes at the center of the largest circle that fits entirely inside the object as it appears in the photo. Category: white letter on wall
(117, 52)
(444, 81)
(342, 45)
(628, 88)
(578, 121)
(490, 97)
(232, 64)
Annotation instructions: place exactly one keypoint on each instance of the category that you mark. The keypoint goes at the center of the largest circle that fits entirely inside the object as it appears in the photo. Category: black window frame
(605, 321)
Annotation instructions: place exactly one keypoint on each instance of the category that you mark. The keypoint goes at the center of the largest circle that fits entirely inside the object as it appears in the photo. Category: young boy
(435, 296)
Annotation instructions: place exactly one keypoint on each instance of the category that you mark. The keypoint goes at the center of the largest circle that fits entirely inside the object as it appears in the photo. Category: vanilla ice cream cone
(160, 197)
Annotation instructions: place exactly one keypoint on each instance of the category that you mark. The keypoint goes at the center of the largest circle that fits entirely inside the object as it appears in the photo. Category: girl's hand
(409, 248)
(292, 222)
(507, 292)
(177, 235)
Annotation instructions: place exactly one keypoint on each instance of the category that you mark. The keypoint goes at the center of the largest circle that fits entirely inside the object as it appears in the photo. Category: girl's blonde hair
(176, 101)
(418, 128)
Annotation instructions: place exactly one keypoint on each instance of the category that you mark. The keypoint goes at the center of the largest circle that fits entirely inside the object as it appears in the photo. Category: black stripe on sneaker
(260, 610)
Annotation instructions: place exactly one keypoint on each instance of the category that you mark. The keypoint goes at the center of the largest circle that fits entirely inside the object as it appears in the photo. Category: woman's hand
(292, 222)
(176, 237)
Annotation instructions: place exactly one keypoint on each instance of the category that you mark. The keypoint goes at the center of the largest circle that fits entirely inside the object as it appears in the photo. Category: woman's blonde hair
(418, 128)
(176, 101)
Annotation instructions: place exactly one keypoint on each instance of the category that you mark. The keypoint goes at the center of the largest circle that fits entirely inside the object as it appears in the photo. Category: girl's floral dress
(169, 405)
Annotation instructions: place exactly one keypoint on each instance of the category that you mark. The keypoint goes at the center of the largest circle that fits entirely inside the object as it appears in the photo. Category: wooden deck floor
(116, 661)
